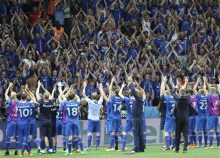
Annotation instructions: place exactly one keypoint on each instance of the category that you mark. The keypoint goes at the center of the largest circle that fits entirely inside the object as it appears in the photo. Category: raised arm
(46, 91)
(38, 91)
(204, 84)
(196, 85)
(133, 91)
(186, 83)
(84, 89)
(163, 86)
(121, 90)
(32, 97)
(7, 91)
(110, 87)
(102, 92)
(53, 91)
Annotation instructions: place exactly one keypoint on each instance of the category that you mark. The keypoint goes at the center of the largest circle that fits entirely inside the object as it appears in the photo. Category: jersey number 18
(72, 111)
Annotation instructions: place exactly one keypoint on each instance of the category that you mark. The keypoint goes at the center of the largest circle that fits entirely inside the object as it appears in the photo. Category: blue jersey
(128, 102)
(59, 114)
(32, 111)
(116, 105)
(72, 110)
(108, 110)
(202, 104)
(170, 104)
(24, 110)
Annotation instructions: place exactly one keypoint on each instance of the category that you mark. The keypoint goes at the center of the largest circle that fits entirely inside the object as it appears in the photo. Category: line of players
(203, 123)
(22, 120)
(22, 123)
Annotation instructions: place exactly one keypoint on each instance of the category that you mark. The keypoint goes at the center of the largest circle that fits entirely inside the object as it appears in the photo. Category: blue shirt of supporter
(25, 41)
(185, 25)
(40, 44)
(103, 51)
(45, 81)
(117, 14)
(59, 15)
(132, 53)
(147, 85)
(52, 81)
(3, 9)
(184, 44)
(156, 87)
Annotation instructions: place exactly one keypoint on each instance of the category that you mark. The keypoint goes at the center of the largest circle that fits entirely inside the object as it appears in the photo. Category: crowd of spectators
(68, 41)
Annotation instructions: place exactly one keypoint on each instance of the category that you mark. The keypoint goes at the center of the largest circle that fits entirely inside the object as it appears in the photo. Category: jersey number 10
(25, 112)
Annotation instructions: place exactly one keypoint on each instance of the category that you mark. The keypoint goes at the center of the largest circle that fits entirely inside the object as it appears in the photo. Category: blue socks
(200, 138)
(25, 145)
(97, 141)
(218, 138)
(112, 141)
(64, 142)
(17, 143)
(194, 137)
(205, 138)
(190, 137)
(69, 145)
(124, 140)
(168, 141)
(89, 137)
(8, 142)
(81, 144)
(29, 144)
(76, 142)
(116, 141)
(211, 138)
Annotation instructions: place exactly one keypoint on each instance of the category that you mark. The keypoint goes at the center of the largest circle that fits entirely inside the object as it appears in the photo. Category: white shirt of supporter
(94, 109)
(30, 63)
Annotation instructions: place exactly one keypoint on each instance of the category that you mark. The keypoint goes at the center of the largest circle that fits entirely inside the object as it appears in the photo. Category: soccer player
(94, 105)
(53, 127)
(24, 110)
(33, 121)
(192, 121)
(46, 105)
(169, 121)
(12, 117)
(116, 126)
(61, 125)
(71, 106)
(128, 125)
(201, 108)
(212, 120)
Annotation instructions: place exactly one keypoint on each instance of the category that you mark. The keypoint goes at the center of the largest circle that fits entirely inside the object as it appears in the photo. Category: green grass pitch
(150, 152)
